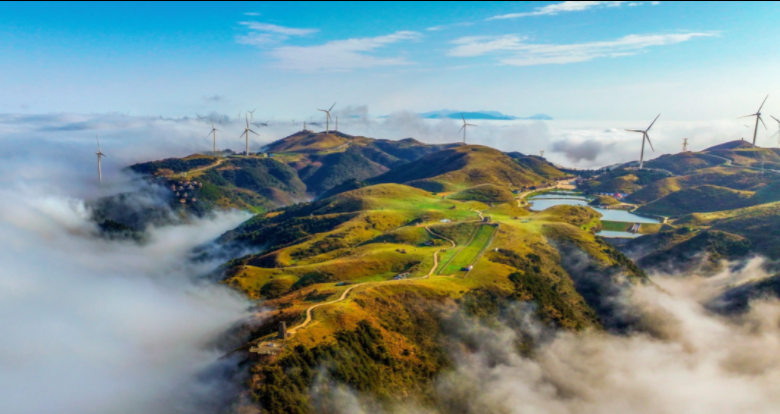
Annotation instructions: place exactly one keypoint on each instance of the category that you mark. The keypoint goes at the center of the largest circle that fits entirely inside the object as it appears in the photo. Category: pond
(545, 201)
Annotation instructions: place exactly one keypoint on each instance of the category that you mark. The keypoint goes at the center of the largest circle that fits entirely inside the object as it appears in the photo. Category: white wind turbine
(214, 132)
(327, 117)
(645, 137)
(685, 144)
(464, 127)
(758, 118)
(99, 156)
(246, 134)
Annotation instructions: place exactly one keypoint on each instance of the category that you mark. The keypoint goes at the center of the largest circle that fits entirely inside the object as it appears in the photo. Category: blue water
(623, 234)
(541, 203)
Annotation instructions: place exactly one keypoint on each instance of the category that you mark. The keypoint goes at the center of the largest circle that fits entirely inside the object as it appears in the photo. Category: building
(282, 330)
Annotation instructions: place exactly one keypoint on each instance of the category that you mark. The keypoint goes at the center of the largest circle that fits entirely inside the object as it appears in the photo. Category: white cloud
(251, 14)
(519, 53)
(341, 55)
(266, 33)
(564, 7)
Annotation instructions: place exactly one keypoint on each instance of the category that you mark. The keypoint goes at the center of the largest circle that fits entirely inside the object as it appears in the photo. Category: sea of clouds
(97, 326)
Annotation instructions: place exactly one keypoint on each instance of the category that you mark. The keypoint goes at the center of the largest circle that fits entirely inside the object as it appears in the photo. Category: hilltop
(297, 168)
(461, 167)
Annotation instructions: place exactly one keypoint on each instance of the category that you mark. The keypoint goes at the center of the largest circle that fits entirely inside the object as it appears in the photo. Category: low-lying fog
(96, 326)
(90, 325)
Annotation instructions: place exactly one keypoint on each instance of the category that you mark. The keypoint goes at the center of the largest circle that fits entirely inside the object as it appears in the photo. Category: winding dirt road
(344, 294)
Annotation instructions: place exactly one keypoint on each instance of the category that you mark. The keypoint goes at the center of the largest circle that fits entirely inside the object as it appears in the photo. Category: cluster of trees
(359, 359)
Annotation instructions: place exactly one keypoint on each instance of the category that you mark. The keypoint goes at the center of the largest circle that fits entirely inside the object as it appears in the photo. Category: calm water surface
(543, 202)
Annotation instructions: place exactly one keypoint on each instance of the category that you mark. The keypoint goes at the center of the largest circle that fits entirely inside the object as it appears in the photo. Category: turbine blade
(762, 104)
(778, 132)
(762, 122)
(648, 141)
(464, 118)
(472, 125)
(778, 120)
(635, 130)
(254, 132)
(334, 104)
(746, 116)
(651, 125)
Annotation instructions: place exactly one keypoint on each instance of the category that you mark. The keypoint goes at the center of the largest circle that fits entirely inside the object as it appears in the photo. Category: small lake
(545, 201)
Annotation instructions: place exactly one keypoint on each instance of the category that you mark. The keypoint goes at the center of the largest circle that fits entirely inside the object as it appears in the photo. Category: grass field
(469, 253)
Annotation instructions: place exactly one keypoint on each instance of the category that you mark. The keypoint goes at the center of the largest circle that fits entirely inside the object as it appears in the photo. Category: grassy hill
(687, 249)
(684, 162)
(701, 199)
(759, 224)
(733, 178)
(460, 168)
(540, 166)
(485, 193)
(364, 239)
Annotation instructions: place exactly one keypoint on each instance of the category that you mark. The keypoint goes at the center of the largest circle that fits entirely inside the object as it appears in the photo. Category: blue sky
(571, 60)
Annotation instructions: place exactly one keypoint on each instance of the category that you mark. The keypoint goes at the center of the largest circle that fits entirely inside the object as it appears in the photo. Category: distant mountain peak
(481, 114)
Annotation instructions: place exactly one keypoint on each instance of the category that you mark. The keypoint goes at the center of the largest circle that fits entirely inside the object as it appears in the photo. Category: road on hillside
(208, 167)
(344, 294)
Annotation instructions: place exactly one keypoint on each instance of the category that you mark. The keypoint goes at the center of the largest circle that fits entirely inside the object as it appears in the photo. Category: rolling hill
(460, 168)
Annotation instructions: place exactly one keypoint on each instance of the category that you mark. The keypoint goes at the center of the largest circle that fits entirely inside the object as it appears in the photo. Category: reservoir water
(545, 201)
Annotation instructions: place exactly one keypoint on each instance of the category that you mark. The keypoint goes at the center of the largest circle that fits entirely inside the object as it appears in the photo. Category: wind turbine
(542, 153)
(327, 117)
(758, 118)
(261, 124)
(778, 130)
(198, 115)
(99, 156)
(685, 144)
(464, 127)
(214, 132)
(246, 133)
(645, 137)
(252, 115)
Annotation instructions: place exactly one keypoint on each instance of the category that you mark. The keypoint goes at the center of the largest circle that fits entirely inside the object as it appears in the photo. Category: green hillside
(684, 162)
(541, 167)
(701, 199)
(687, 249)
(485, 193)
(459, 168)
(759, 224)
(401, 250)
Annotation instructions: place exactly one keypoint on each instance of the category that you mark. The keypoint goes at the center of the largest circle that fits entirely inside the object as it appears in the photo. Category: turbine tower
(758, 118)
(327, 117)
(645, 137)
(464, 127)
(778, 130)
(685, 144)
(214, 132)
(337, 124)
(99, 156)
(246, 134)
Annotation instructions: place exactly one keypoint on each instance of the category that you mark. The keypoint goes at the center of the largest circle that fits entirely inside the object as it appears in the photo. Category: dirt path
(208, 167)
(440, 236)
(344, 294)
